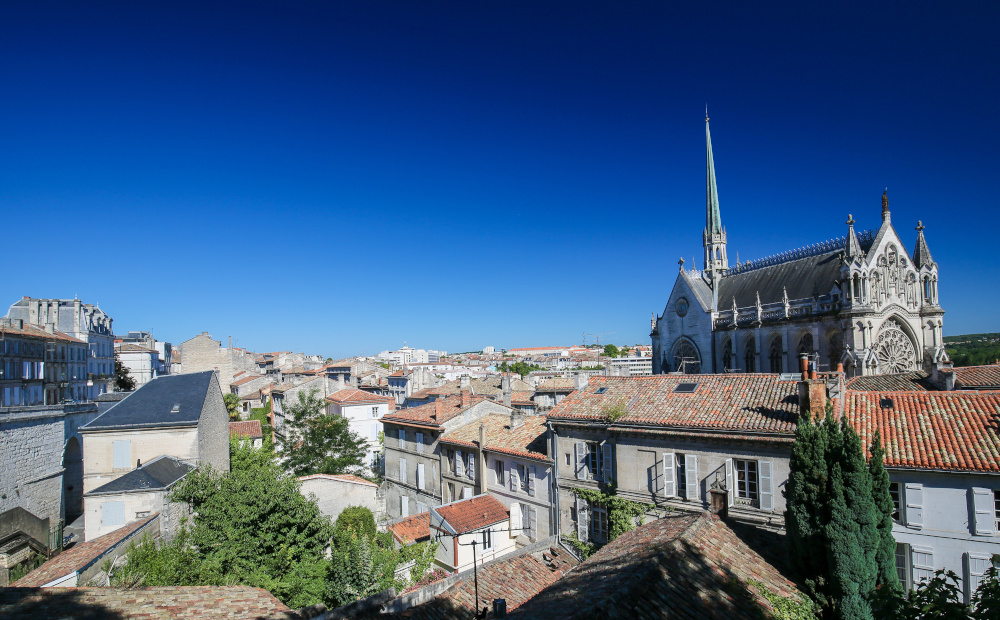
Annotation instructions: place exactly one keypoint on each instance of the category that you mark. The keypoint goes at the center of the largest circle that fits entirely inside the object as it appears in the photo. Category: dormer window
(175, 408)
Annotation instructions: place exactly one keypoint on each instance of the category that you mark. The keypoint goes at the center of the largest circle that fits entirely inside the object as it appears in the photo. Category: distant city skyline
(337, 179)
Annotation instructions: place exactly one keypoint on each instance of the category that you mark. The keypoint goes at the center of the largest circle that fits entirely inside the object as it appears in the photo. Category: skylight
(600, 390)
(685, 388)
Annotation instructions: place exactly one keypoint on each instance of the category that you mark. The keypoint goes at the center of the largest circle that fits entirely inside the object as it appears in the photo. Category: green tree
(358, 519)
(885, 555)
(251, 526)
(123, 380)
(361, 565)
(317, 443)
(610, 350)
(232, 405)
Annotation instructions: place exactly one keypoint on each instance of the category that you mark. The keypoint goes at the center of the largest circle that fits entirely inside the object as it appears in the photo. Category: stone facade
(335, 493)
(861, 301)
(203, 353)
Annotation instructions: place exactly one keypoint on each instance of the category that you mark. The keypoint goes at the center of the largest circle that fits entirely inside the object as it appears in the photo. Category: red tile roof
(250, 429)
(341, 477)
(36, 331)
(526, 441)
(471, 514)
(937, 430)
(557, 384)
(351, 395)
(157, 603)
(760, 403)
(522, 398)
(434, 413)
(915, 381)
(246, 379)
(412, 529)
(79, 556)
(977, 376)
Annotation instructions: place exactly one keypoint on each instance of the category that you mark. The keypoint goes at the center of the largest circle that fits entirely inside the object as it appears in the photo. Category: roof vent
(685, 388)
(175, 408)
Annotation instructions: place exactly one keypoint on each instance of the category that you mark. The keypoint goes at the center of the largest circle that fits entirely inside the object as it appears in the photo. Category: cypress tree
(885, 555)
(807, 509)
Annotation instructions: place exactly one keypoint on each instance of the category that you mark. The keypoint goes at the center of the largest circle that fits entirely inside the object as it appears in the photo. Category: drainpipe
(555, 515)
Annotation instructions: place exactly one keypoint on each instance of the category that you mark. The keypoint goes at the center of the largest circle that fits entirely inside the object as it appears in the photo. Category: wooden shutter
(122, 454)
(466, 492)
(420, 442)
(512, 477)
(923, 563)
(607, 451)
(731, 483)
(669, 475)
(515, 519)
(534, 522)
(420, 476)
(472, 466)
(914, 498)
(402, 470)
(984, 512)
(582, 520)
(691, 472)
(975, 569)
(404, 506)
(459, 463)
(581, 460)
(531, 480)
(402, 439)
(766, 487)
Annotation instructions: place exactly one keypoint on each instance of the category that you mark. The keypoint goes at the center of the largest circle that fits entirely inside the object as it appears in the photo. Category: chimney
(505, 386)
(465, 383)
(516, 419)
(50, 328)
(481, 466)
(812, 394)
(580, 380)
(466, 398)
(437, 409)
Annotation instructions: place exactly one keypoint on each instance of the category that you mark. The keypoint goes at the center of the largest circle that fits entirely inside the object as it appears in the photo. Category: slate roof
(160, 473)
(351, 395)
(690, 566)
(977, 376)
(802, 278)
(469, 515)
(525, 441)
(914, 381)
(77, 557)
(412, 529)
(156, 603)
(36, 331)
(251, 429)
(152, 404)
(956, 431)
(434, 413)
(757, 403)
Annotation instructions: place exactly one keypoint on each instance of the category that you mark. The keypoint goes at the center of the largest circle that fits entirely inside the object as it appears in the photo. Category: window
(404, 506)
(420, 476)
(996, 508)
(522, 477)
(402, 470)
(420, 443)
(685, 388)
(470, 470)
(487, 540)
(122, 454)
(498, 468)
(594, 460)
(600, 390)
(681, 475)
(746, 480)
(113, 513)
(567, 459)
(750, 358)
(374, 412)
(903, 565)
(402, 439)
(895, 492)
(451, 461)
(599, 524)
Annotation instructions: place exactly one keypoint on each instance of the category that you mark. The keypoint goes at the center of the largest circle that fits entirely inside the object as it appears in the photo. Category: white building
(143, 364)
(630, 366)
(365, 411)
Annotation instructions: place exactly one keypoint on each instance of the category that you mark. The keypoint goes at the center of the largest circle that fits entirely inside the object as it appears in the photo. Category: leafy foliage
(973, 349)
(786, 608)
(232, 405)
(361, 566)
(317, 443)
(622, 512)
(356, 518)
(585, 549)
(520, 367)
(940, 598)
(885, 554)
(611, 350)
(123, 380)
(615, 411)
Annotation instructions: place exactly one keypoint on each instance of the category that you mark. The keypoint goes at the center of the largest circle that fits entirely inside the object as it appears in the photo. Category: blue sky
(338, 177)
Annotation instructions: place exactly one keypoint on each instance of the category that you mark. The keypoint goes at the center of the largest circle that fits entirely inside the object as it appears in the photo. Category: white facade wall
(333, 495)
(502, 544)
(143, 445)
(143, 366)
(365, 420)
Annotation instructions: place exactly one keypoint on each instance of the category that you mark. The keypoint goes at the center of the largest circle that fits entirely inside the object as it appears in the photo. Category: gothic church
(860, 300)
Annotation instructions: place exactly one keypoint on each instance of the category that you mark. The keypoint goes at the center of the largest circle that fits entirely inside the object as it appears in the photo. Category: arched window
(775, 355)
(686, 358)
(806, 345)
(727, 355)
(750, 357)
(836, 349)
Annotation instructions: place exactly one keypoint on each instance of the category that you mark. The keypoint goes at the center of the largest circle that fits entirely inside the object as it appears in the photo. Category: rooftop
(434, 413)
(160, 473)
(356, 396)
(977, 376)
(557, 384)
(469, 515)
(915, 381)
(339, 477)
(412, 529)
(526, 441)
(168, 400)
(250, 429)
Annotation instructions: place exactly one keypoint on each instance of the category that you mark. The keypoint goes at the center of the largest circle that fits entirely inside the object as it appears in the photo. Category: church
(859, 300)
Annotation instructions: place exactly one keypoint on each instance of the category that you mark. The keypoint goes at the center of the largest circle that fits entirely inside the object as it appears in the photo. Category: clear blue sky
(338, 177)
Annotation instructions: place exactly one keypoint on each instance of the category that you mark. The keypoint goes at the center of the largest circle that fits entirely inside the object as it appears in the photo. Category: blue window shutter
(122, 454)
(113, 513)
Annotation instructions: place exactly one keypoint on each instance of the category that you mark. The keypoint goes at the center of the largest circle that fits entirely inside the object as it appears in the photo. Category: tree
(251, 526)
(232, 405)
(610, 350)
(520, 367)
(939, 598)
(885, 555)
(123, 381)
(358, 519)
(317, 443)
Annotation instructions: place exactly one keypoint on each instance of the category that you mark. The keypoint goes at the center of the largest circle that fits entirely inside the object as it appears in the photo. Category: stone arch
(73, 479)
(775, 353)
(750, 353)
(834, 347)
(685, 357)
(727, 354)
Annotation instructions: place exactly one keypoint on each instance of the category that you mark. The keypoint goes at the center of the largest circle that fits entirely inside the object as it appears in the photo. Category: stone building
(860, 300)
(40, 365)
(85, 322)
(364, 412)
(143, 363)
(335, 492)
(203, 353)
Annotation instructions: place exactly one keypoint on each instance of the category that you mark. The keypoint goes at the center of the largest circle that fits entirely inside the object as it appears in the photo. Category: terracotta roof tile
(915, 381)
(977, 376)
(246, 379)
(351, 395)
(471, 514)
(557, 384)
(251, 429)
(527, 440)
(341, 477)
(412, 529)
(434, 413)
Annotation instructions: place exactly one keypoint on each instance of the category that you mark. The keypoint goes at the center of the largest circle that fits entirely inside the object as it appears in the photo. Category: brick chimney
(812, 392)
(505, 386)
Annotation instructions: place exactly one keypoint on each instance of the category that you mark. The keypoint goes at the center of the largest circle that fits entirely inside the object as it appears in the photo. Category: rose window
(894, 351)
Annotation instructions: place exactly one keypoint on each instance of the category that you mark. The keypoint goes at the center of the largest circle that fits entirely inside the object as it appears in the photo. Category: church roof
(802, 278)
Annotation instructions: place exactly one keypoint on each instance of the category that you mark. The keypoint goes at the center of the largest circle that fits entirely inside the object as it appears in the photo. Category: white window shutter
(420, 442)
(402, 470)
(113, 513)
(515, 519)
(420, 476)
(531, 480)
(975, 569)
(609, 462)
(534, 523)
(913, 495)
(459, 463)
(984, 515)
(731, 481)
(766, 486)
(512, 477)
(122, 454)
(669, 480)
(404, 506)
(582, 520)
(466, 492)
(923, 563)
(581, 460)
(402, 438)
(691, 471)
(472, 466)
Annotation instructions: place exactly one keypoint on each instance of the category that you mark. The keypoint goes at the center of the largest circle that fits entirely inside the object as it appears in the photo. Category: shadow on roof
(64, 603)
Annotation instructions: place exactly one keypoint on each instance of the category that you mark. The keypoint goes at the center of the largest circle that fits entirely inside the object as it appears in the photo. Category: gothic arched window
(686, 358)
(727, 355)
(750, 357)
(836, 349)
(806, 345)
(775, 355)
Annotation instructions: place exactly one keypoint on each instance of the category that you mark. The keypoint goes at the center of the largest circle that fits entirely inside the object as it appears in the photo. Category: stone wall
(203, 353)
(213, 429)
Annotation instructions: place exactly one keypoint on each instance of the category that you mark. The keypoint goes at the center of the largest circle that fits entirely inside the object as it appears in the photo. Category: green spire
(713, 221)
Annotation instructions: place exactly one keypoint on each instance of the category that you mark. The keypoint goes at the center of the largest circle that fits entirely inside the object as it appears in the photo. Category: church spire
(922, 254)
(853, 247)
(714, 237)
